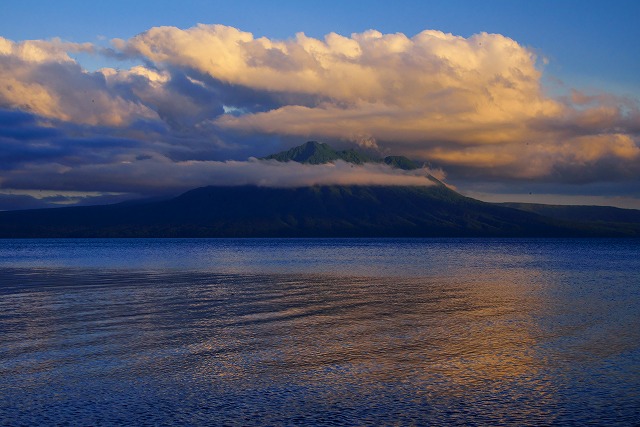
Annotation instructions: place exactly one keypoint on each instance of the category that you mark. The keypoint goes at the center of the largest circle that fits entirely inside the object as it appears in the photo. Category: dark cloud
(21, 125)
(26, 141)
(10, 202)
(15, 118)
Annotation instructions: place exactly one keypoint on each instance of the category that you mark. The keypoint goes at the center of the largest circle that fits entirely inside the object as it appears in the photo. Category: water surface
(320, 332)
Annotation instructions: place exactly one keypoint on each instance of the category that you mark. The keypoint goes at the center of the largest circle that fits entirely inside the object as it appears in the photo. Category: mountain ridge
(584, 212)
(314, 152)
(319, 211)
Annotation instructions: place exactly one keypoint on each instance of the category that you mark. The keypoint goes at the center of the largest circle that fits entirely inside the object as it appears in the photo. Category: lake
(320, 332)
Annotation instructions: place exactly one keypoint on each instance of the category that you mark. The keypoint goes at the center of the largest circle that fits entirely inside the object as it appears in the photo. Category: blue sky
(561, 126)
(590, 43)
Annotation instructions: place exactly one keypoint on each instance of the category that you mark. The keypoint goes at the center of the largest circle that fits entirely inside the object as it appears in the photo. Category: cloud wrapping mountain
(164, 176)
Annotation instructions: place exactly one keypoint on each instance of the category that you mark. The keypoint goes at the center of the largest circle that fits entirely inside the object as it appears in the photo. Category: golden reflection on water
(470, 344)
(472, 337)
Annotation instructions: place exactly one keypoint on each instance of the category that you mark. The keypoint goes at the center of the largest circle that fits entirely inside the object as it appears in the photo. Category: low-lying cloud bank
(162, 176)
(473, 106)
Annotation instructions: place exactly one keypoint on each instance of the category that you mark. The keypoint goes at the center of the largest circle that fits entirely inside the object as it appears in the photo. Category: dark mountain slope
(604, 219)
(580, 213)
(319, 211)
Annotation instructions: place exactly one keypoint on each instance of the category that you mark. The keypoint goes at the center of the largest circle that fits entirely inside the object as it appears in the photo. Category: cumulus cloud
(433, 85)
(372, 68)
(472, 102)
(41, 77)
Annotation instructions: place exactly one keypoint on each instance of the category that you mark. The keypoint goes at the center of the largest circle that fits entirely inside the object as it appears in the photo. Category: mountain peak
(314, 152)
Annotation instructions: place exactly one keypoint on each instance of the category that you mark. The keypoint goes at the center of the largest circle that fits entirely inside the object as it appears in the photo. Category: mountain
(251, 211)
(401, 162)
(580, 213)
(313, 152)
(624, 221)
(317, 211)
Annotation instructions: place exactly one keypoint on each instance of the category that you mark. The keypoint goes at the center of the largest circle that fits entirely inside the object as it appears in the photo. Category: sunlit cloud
(40, 77)
(476, 102)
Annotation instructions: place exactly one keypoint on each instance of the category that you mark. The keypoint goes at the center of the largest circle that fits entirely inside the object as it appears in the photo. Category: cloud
(486, 79)
(40, 77)
(15, 200)
(36, 157)
(372, 68)
(159, 175)
(10, 202)
(473, 106)
(29, 140)
(474, 103)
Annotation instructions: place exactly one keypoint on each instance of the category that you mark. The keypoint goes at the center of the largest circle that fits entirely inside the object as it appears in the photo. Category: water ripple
(510, 346)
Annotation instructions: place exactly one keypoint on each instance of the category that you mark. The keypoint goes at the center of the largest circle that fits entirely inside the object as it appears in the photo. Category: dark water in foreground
(320, 332)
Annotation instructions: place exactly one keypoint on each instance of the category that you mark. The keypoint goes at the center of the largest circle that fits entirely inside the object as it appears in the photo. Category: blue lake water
(320, 332)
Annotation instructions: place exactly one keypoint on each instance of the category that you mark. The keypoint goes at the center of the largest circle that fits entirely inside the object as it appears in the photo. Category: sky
(504, 100)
